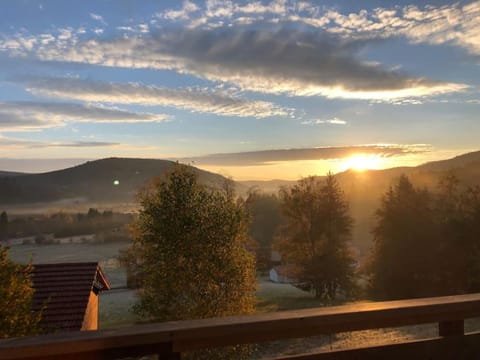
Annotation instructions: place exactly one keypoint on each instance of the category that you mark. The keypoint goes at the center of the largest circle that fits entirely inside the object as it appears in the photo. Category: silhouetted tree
(458, 219)
(3, 225)
(405, 252)
(265, 218)
(316, 235)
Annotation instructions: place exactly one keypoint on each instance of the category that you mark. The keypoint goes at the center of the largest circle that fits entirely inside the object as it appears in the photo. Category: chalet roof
(65, 290)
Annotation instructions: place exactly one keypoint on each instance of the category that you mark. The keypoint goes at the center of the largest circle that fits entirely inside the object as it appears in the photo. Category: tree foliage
(16, 315)
(189, 246)
(265, 218)
(316, 235)
(426, 244)
(3, 225)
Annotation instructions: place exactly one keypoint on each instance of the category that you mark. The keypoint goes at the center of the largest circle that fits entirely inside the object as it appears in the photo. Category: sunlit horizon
(191, 81)
(279, 170)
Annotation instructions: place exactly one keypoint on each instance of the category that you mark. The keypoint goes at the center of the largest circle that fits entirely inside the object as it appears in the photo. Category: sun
(361, 162)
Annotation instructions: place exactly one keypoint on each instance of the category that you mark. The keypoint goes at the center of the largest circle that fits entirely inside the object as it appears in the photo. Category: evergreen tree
(16, 315)
(405, 252)
(458, 216)
(316, 235)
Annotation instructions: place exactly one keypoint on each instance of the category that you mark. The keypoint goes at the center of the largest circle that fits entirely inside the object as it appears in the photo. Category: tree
(457, 217)
(16, 315)
(189, 245)
(405, 251)
(265, 218)
(3, 225)
(426, 244)
(316, 235)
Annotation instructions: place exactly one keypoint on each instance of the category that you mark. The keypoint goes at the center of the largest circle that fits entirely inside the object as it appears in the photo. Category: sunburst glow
(360, 162)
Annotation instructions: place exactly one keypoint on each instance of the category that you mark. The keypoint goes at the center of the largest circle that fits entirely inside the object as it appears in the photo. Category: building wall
(90, 321)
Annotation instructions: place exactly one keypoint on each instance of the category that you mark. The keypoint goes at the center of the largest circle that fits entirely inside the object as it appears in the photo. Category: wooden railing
(170, 339)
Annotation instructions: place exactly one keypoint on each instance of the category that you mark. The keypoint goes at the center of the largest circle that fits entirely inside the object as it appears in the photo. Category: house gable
(68, 293)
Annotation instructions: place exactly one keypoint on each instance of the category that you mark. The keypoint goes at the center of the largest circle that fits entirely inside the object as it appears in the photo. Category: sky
(275, 89)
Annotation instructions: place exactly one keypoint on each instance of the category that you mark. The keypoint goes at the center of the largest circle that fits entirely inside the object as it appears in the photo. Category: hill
(9, 173)
(95, 181)
(110, 180)
(365, 189)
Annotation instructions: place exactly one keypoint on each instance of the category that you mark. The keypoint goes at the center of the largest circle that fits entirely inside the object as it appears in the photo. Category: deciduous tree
(190, 248)
(265, 218)
(316, 235)
(16, 315)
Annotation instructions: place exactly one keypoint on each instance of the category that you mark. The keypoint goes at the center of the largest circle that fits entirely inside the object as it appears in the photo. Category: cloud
(265, 157)
(292, 62)
(98, 18)
(188, 7)
(333, 121)
(194, 99)
(322, 58)
(29, 115)
(288, 61)
(6, 142)
(275, 7)
(455, 24)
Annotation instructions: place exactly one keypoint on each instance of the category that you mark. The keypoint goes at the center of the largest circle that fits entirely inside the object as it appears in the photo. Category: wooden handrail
(180, 336)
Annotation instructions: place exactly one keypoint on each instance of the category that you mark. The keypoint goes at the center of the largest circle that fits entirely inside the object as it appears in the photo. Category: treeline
(111, 225)
(425, 242)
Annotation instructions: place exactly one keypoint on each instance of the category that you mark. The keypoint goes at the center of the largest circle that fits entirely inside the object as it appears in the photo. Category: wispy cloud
(194, 99)
(265, 157)
(333, 121)
(98, 18)
(28, 115)
(7, 142)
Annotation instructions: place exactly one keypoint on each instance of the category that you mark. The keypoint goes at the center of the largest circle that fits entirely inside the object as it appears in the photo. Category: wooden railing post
(451, 328)
(167, 353)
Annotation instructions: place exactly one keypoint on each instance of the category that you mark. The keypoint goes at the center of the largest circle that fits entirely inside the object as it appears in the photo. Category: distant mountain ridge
(465, 166)
(109, 180)
(365, 189)
(119, 179)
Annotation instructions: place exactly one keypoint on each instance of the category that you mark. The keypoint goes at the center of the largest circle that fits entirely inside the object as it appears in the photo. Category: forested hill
(94, 181)
(9, 173)
(110, 180)
(365, 189)
(466, 167)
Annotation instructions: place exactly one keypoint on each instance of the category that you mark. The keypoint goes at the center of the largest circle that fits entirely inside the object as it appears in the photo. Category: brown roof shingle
(63, 290)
